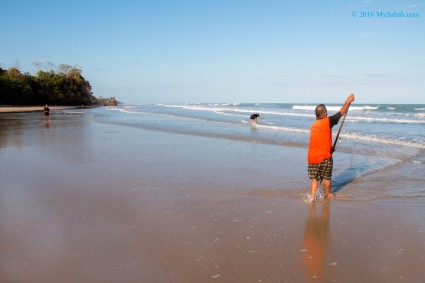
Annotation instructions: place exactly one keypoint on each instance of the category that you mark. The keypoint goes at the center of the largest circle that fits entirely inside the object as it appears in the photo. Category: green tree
(67, 86)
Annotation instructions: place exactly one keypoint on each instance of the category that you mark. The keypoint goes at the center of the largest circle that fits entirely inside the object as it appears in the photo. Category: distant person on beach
(46, 111)
(320, 149)
(254, 117)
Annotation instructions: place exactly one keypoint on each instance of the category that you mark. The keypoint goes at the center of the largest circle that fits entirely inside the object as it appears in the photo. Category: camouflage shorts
(321, 171)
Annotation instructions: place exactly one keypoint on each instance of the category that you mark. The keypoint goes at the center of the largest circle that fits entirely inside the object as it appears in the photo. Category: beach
(92, 197)
(20, 109)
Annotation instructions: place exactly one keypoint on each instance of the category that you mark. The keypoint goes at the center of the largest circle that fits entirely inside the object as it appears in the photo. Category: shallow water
(362, 170)
(375, 139)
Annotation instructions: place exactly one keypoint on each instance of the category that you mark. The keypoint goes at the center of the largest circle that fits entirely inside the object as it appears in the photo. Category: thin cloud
(377, 75)
(366, 35)
(415, 5)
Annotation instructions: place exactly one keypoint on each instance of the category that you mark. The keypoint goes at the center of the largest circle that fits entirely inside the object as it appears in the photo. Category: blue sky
(158, 51)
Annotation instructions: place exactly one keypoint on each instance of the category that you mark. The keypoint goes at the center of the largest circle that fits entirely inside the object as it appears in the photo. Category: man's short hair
(320, 110)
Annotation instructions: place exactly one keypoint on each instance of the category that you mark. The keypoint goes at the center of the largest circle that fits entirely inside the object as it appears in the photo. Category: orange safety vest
(320, 146)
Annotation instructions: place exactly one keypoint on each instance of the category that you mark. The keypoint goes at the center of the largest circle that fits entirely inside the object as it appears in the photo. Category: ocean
(380, 153)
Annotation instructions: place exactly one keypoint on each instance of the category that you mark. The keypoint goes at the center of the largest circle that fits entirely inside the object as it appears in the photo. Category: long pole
(339, 130)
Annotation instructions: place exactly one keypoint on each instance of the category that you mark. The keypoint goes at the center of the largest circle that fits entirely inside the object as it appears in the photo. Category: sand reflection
(315, 243)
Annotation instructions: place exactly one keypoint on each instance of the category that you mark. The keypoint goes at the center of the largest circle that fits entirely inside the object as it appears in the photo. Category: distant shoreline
(18, 109)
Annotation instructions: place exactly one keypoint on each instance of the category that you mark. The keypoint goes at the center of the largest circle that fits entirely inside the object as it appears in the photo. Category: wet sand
(82, 201)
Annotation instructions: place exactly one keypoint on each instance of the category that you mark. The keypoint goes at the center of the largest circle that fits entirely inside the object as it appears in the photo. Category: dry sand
(16, 109)
(82, 201)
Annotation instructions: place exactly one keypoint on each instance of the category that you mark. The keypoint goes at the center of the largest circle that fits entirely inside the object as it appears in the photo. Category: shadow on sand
(349, 176)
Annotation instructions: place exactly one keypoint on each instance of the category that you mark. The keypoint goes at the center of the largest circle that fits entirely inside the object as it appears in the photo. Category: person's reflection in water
(315, 244)
(47, 123)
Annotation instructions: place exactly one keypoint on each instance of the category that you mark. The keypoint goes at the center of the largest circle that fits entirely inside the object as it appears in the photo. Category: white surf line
(376, 139)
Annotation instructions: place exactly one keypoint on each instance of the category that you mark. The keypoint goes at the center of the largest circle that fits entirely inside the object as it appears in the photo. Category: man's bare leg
(328, 192)
(314, 185)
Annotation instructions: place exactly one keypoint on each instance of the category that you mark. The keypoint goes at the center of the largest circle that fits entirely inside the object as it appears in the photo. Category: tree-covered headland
(63, 86)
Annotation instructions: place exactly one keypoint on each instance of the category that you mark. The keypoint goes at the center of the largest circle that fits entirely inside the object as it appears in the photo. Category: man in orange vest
(320, 149)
